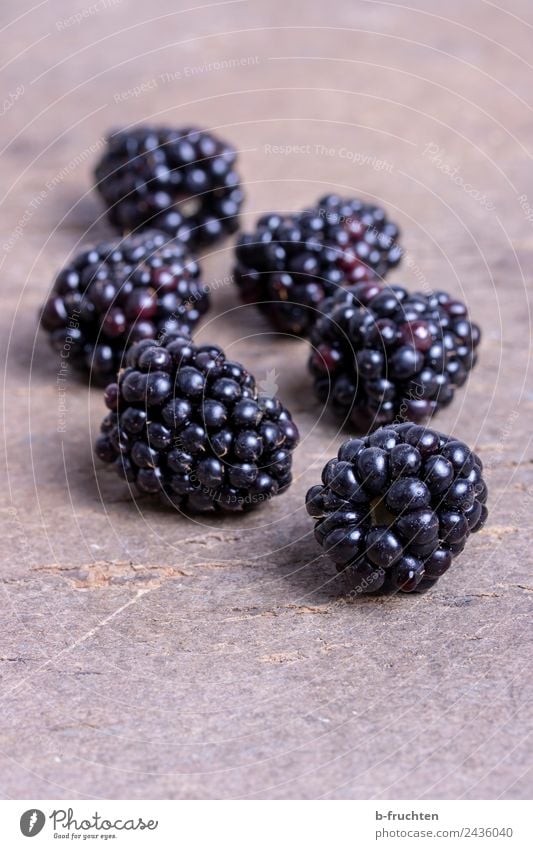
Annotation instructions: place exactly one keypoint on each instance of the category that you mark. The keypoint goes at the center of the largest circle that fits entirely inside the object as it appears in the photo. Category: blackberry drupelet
(380, 354)
(396, 507)
(189, 425)
(181, 181)
(291, 262)
(118, 292)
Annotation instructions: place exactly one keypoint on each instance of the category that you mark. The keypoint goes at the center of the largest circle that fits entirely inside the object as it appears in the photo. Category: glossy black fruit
(188, 424)
(396, 507)
(114, 294)
(291, 262)
(181, 181)
(380, 354)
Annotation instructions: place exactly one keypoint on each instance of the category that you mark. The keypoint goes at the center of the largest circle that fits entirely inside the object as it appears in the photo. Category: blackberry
(396, 507)
(118, 292)
(181, 181)
(291, 262)
(380, 354)
(189, 425)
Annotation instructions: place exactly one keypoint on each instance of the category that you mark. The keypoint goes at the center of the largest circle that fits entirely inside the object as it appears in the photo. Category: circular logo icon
(32, 822)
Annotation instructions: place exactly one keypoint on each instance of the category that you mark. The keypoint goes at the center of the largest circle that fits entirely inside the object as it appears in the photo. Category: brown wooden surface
(144, 656)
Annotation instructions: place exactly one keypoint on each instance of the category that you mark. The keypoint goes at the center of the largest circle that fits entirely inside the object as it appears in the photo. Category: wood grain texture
(148, 657)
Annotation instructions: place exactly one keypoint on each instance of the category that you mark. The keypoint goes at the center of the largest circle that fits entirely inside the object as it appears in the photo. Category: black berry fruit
(291, 262)
(380, 354)
(118, 292)
(181, 181)
(189, 425)
(396, 507)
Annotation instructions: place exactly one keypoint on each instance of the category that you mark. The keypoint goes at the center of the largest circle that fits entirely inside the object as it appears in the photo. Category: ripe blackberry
(381, 354)
(181, 181)
(291, 262)
(188, 424)
(118, 292)
(396, 507)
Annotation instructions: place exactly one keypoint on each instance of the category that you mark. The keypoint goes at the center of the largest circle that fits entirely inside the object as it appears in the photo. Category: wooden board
(148, 657)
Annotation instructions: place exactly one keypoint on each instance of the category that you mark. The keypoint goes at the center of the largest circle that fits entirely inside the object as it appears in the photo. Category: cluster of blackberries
(396, 507)
(172, 188)
(188, 424)
(118, 292)
(291, 262)
(380, 354)
(180, 181)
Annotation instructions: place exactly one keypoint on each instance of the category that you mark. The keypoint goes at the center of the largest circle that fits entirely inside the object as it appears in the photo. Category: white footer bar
(267, 824)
